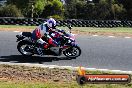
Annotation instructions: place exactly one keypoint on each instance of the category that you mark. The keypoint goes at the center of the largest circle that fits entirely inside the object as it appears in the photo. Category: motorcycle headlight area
(72, 39)
(69, 41)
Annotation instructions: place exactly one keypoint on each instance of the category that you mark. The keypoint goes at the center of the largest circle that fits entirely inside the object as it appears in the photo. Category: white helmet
(51, 23)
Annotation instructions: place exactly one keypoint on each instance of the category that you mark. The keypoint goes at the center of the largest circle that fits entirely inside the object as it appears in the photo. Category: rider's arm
(61, 31)
(37, 33)
(40, 32)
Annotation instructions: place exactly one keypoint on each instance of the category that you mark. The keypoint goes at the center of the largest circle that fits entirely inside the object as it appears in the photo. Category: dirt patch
(119, 34)
(16, 29)
(35, 74)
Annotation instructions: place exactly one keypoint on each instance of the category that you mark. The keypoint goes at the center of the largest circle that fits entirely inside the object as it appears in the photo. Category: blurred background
(116, 12)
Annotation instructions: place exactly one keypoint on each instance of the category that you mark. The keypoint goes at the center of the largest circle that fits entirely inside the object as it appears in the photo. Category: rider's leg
(55, 47)
(52, 42)
(41, 45)
(40, 41)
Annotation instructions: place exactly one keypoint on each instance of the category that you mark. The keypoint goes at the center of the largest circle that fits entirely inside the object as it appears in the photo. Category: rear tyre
(24, 47)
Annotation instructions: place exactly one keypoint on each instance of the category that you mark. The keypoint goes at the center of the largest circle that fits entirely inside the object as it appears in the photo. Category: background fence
(72, 22)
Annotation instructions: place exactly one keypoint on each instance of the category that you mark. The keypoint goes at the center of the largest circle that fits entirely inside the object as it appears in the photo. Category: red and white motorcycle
(67, 45)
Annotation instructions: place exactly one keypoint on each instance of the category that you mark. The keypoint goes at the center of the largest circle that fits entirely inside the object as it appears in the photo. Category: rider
(44, 30)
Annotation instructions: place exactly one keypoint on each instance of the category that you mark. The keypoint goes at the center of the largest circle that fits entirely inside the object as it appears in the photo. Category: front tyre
(24, 47)
(72, 52)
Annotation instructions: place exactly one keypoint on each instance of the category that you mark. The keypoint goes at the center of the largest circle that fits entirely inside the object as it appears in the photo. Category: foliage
(10, 11)
(56, 17)
(71, 9)
(99, 11)
(76, 9)
(20, 4)
(54, 7)
(39, 5)
(127, 4)
(26, 6)
(118, 11)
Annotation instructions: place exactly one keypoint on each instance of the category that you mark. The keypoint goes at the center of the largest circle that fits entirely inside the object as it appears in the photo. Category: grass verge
(14, 76)
(17, 26)
(81, 29)
(118, 31)
(60, 85)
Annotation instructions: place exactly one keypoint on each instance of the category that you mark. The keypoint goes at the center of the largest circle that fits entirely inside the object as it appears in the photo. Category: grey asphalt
(99, 52)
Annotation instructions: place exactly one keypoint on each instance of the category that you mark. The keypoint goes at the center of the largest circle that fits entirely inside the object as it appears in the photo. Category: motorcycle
(67, 45)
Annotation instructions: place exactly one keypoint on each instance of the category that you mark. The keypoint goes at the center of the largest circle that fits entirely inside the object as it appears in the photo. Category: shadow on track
(33, 59)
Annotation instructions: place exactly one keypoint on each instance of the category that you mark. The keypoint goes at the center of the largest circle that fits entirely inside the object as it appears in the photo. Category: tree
(80, 9)
(53, 7)
(39, 7)
(71, 9)
(20, 4)
(26, 6)
(92, 11)
(128, 6)
(10, 11)
(118, 11)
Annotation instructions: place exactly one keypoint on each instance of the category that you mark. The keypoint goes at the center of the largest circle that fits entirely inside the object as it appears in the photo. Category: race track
(99, 52)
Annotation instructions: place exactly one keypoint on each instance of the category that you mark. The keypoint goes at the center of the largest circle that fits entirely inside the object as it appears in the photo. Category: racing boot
(41, 45)
(39, 51)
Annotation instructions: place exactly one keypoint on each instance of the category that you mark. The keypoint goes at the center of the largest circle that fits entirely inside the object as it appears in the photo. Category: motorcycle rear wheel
(24, 48)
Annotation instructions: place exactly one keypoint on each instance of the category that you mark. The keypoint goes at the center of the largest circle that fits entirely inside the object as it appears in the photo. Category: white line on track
(92, 35)
(111, 36)
(64, 67)
(95, 35)
(127, 37)
(16, 31)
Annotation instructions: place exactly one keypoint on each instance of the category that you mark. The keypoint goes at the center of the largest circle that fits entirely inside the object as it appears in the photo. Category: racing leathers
(43, 31)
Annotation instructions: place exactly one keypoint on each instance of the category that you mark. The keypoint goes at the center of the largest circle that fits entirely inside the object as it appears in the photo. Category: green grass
(118, 29)
(60, 85)
(82, 29)
(51, 84)
(93, 29)
(16, 26)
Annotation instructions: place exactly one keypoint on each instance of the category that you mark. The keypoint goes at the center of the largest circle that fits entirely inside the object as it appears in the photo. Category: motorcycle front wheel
(72, 52)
